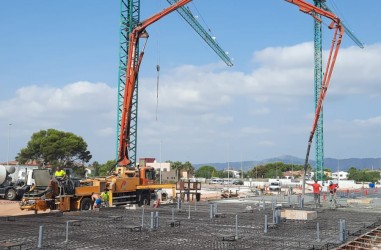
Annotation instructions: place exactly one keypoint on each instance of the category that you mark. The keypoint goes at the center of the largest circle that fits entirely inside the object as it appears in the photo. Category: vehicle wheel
(86, 204)
(11, 194)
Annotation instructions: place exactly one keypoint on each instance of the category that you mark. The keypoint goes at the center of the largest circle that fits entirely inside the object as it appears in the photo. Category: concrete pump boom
(132, 71)
(336, 42)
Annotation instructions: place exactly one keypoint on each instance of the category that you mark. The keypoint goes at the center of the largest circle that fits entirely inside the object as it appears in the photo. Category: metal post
(143, 216)
(211, 211)
(265, 224)
(173, 213)
(236, 226)
(264, 204)
(317, 232)
(341, 238)
(67, 231)
(274, 212)
(179, 204)
(189, 212)
(40, 236)
(157, 220)
(272, 204)
(277, 216)
(301, 202)
(343, 232)
(152, 221)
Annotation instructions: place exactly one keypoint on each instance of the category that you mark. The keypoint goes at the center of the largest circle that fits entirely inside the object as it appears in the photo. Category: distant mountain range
(330, 163)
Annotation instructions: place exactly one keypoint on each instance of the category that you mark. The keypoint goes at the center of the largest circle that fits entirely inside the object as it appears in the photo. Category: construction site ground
(237, 223)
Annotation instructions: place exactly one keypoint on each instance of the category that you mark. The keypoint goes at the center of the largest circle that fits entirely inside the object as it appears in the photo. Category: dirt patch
(11, 208)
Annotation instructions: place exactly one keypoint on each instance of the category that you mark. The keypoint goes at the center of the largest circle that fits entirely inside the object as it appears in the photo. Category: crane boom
(132, 71)
(188, 16)
(347, 30)
(336, 42)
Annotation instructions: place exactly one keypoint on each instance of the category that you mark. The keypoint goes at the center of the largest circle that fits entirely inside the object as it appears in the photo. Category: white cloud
(371, 122)
(201, 108)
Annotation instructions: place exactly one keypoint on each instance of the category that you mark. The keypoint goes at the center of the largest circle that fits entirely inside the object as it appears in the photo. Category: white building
(232, 173)
(341, 175)
(159, 166)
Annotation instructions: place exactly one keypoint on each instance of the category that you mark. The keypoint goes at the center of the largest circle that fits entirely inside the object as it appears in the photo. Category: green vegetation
(55, 148)
(206, 172)
(274, 170)
(180, 167)
(363, 175)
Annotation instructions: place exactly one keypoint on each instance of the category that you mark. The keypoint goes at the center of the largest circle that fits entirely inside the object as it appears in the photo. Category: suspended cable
(157, 88)
(158, 72)
(340, 14)
(202, 19)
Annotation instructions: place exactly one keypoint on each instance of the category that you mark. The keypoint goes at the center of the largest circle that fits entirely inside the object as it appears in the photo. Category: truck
(10, 189)
(125, 186)
(129, 183)
(275, 186)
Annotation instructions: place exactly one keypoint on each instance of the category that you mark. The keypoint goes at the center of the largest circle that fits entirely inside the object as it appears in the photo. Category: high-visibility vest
(60, 173)
(104, 196)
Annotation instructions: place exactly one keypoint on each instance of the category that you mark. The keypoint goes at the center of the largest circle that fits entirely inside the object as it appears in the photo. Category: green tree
(79, 171)
(187, 166)
(221, 174)
(352, 173)
(178, 166)
(56, 148)
(275, 169)
(107, 168)
(206, 172)
(363, 175)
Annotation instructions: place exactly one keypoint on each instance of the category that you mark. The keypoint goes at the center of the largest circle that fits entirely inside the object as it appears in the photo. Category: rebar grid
(106, 229)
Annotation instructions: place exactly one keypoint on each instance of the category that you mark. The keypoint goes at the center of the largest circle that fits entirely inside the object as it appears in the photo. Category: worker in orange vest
(332, 190)
(316, 188)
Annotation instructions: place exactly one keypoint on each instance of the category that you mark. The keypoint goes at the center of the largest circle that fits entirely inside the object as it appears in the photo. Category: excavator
(338, 28)
(128, 184)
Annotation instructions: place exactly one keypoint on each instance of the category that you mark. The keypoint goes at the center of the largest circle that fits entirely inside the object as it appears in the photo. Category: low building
(341, 175)
(232, 173)
(164, 171)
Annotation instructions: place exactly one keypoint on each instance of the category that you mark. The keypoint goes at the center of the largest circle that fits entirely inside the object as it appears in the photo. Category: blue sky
(59, 69)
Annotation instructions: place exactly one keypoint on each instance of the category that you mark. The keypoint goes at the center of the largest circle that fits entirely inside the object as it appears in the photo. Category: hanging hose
(157, 88)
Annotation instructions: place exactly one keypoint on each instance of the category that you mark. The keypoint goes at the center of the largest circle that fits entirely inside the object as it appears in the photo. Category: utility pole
(9, 140)
(160, 164)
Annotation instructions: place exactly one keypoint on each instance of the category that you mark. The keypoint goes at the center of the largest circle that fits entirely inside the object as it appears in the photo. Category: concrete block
(291, 214)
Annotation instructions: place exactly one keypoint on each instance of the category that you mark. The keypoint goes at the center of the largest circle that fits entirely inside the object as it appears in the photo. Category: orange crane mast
(335, 46)
(132, 71)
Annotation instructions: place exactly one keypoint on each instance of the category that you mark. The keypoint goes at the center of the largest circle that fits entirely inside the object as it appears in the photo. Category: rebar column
(143, 216)
(236, 226)
(40, 236)
(67, 231)
(265, 231)
(317, 232)
(157, 219)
